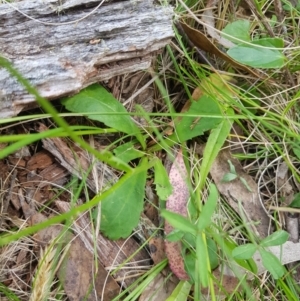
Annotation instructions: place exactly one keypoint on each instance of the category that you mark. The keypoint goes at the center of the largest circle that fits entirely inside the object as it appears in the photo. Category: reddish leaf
(177, 203)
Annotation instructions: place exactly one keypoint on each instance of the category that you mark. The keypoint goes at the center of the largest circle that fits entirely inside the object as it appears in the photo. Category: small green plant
(257, 53)
(193, 235)
(127, 199)
(232, 175)
(269, 260)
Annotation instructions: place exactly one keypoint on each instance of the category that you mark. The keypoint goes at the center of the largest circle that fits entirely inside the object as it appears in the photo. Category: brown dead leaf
(177, 203)
(235, 191)
(110, 252)
(202, 42)
(53, 173)
(78, 271)
(40, 160)
(157, 249)
(27, 207)
(81, 280)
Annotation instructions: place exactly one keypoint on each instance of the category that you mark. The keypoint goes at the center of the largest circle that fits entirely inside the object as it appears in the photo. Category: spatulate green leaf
(244, 251)
(296, 201)
(212, 253)
(228, 177)
(121, 209)
(179, 222)
(257, 57)
(161, 181)
(269, 42)
(181, 292)
(175, 235)
(190, 127)
(275, 239)
(208, 209)
(248, 264)
(231, 167)
(127, 152)
(214, 144)
(190, 265)
(237, 30)
(272, 263)
(105, 108)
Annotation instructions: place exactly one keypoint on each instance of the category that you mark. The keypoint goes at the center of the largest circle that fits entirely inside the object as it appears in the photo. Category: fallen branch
(62, 53)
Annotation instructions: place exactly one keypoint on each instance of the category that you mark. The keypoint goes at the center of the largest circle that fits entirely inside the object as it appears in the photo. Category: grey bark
(65, 57)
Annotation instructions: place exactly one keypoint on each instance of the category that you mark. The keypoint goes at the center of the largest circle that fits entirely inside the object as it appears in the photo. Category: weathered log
(66, 45)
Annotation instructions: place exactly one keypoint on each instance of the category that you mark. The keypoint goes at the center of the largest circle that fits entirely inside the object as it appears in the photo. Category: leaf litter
(235, 192)
(77, 270)
(76, 162)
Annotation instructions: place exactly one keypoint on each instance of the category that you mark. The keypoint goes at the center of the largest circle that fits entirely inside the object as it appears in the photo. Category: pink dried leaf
(177, 202)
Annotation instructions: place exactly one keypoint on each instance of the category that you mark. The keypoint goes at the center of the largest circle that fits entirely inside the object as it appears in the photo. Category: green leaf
(121, 209)
(248, 264)
(228, 177)
(214, 144)
(245, 184)
(212, 253)
(275, 239)
(296, 151)
(290, 6)
(8, 293)
(181, 292)
(175, 235)
(96, 99)
(127, 152)
(231, 167)
(272, 263)
(244, 252)
(208, 209)
(239, 29)
(257, 57)
(202, 259)
(188, 240)
(190, 127)
(189, 265)
(296, 201)
(161, 180)
(269, 42)
(179, 222)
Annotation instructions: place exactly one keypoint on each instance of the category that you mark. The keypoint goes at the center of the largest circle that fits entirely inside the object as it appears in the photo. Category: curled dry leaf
(201, 41)
(177, 203)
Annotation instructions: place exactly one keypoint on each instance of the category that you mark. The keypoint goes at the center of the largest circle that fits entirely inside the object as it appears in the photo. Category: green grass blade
(214, 144)
(104, 155)
(181, 292)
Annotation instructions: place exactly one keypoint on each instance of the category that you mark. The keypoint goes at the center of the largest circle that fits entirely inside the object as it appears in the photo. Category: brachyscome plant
(257, 53)
(127, 199)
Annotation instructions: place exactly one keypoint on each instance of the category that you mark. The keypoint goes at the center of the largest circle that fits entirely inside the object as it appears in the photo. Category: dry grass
(43, 278)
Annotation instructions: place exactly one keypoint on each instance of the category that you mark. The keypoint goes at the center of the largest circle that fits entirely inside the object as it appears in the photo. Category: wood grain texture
(64, 58)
